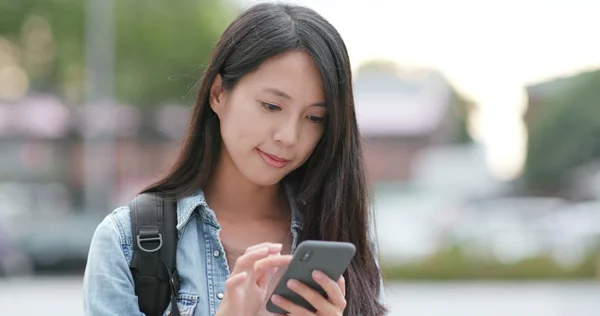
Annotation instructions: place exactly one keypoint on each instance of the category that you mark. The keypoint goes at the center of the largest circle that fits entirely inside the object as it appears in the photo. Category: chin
(264, 178)
(266, 181)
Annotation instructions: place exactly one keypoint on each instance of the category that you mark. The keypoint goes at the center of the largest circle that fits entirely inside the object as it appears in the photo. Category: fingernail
(292, 284)
(318, 275)
(275, 248)
(276, 298)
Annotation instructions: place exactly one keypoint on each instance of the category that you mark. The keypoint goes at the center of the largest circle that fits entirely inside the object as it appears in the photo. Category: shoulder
(115, 231)
(107, 275)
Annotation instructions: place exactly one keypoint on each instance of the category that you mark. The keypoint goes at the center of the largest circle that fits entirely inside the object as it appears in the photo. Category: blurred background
(481, 125)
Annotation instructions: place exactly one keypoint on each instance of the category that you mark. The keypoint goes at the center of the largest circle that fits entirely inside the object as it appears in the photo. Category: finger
(234, 281)
(266, 268)
(342, 285)
(320, 303)
(272, 262)
(333, 290)
(290, 307)
(247, 260)
(273, 247)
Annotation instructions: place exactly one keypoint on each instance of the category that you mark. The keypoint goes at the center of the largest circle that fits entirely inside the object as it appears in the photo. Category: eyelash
(316, 119)
(272, 108)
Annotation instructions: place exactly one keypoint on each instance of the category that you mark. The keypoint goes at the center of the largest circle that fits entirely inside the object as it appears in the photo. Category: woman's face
(272, 120)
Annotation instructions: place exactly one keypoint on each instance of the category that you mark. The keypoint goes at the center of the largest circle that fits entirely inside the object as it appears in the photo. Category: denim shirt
(201, 262)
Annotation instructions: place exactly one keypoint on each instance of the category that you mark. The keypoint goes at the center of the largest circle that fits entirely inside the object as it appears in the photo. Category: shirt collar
(197, 202)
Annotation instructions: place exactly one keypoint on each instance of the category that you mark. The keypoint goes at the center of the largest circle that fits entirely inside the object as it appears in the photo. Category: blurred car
(57, 244)
(13, 261)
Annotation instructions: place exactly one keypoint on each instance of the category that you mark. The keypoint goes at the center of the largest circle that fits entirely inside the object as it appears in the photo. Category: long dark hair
(331, 185)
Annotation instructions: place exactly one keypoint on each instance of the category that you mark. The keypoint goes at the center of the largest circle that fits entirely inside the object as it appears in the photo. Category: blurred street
(62, 295)
(480, 141)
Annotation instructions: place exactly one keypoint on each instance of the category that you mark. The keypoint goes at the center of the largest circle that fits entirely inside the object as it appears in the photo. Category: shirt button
(220, 295)
(216, 253)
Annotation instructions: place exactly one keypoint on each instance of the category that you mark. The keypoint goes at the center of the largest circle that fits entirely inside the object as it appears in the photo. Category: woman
(272, 157)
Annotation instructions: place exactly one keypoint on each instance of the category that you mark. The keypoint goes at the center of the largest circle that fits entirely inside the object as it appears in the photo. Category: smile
(272, 160)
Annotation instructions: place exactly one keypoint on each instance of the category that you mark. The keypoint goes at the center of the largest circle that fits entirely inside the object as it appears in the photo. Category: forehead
(293, 73)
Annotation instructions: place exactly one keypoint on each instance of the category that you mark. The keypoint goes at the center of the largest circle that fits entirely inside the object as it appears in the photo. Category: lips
(272, 160)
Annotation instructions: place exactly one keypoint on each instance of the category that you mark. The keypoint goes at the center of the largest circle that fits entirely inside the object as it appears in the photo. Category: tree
(160, 46)
(565, 135)
(462, 107)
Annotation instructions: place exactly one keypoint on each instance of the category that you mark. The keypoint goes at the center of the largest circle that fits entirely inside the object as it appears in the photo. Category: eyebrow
(284, 95)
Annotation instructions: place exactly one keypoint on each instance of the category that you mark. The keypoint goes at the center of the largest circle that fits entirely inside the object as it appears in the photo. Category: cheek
(240, 124)
(309, 142)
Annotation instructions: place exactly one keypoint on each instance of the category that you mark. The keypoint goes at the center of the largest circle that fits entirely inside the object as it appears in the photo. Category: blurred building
(34, 160)
(41, 138)
(41, 166)
(400, 114)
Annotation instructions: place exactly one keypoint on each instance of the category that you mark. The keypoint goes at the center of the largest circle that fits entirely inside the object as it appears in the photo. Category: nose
(287, 133)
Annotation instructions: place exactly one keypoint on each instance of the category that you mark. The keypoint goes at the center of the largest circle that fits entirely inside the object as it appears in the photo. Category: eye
(270, 107)
(315, 119)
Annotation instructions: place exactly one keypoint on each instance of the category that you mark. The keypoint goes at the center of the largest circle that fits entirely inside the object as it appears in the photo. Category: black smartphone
(330, 257)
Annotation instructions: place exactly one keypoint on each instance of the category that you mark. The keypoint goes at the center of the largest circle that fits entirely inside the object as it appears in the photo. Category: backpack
(154, 232)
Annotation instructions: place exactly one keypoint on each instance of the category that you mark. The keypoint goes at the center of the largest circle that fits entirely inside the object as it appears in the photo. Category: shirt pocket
(187, 304)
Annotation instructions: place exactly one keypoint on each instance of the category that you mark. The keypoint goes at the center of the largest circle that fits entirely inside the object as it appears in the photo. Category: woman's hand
(334, 305)
(246, 288)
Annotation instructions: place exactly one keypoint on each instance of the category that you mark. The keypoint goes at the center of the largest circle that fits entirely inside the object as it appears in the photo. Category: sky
(489, 50)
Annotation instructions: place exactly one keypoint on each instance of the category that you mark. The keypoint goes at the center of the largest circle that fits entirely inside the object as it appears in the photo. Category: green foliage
(565, 135)
(65, 21)
(174, 39)
(461, 107)
(452, 264)
(160, 46)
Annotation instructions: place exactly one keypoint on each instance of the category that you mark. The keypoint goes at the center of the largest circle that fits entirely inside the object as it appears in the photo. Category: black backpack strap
(154, 234)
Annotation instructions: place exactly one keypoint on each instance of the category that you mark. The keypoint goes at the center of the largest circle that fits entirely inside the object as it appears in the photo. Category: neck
(232, 196)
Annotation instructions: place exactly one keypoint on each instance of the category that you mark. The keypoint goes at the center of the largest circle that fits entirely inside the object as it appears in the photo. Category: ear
(218, 96)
